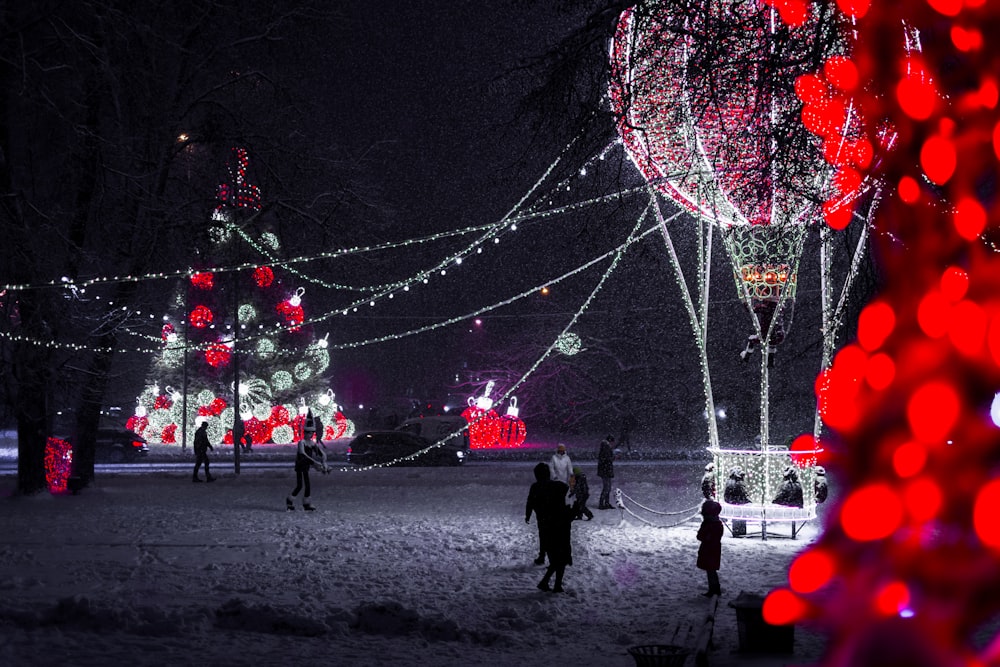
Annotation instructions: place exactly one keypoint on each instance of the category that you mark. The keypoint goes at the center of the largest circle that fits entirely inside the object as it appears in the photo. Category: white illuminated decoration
(140, 411)
(270, 240)
(995, 410)
(569, 344)
(296, 299)
(324, 341)
(247, 313)
(512, 410)
(325, 399)
(484, 402)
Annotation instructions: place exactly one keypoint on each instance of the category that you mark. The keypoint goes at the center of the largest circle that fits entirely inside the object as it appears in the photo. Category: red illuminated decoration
(203, 281)
(338, 428)
(169, 434)
(511, 430)
(58, 464)
(218, 355)
(238, 192)
(291, 310)
(168, 333)
(905, 572)
(137, 424)
(704, 128)
(201, 317)
(213, 409)
(263, 276)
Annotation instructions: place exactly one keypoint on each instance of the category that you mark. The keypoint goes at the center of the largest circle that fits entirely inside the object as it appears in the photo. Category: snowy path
(426, 566)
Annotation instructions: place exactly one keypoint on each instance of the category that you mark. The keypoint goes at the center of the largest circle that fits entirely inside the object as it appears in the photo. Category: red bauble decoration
(162, 403)
(213, 409)
(804, 451)
(58, 464)
(167, 331)
(201, 317)
(205, 281)
(258, 431)
(483, 427)
(279, 416)
(338, 428)
(218, 355)
(294, 315)
(169, 434)
(511, 431)
(137, 424)
(263, 276)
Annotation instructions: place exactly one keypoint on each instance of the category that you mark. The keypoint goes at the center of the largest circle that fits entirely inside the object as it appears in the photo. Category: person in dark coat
(547, 499)
(710, 550)
(535, 504)
(606, 471)
(580, 492)
(735, 492)
(201, 447)
(819, 484)
(790, 491)
(308, 455)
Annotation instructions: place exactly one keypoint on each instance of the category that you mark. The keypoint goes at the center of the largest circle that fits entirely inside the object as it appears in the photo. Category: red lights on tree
(218, 355)
(58, 464)
(263, 276)
(201, 317)
(203, 281)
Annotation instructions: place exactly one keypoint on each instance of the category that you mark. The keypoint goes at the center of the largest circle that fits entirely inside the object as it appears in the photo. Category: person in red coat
(710, 551)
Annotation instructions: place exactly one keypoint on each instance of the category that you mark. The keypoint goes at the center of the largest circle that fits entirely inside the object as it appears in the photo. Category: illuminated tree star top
(705, 98)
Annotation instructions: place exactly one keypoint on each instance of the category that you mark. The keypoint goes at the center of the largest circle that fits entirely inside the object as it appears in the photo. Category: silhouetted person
(307, 455)
(547, 499)
(710, 550)
(580, 492)
(201, 447)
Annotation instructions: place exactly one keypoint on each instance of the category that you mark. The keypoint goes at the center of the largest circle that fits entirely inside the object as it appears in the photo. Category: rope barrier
(691, 513)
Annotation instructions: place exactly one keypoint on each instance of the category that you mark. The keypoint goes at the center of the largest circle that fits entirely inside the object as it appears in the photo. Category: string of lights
(619, 252)
(331, 314)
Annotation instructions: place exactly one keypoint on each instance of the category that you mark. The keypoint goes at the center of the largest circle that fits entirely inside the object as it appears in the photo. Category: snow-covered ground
(402, 566)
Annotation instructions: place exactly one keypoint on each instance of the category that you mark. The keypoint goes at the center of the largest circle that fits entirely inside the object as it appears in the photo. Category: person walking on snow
(307, 455)
(201, 447)
(606, 471)
(581, 491)
(710, 550)
(547, 498)
(560, 465)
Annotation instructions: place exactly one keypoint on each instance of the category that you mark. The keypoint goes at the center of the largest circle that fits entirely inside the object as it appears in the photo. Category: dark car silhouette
(119, 445)
(396, 447)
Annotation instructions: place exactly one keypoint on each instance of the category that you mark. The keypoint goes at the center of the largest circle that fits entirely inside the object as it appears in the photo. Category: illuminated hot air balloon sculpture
(720, 107)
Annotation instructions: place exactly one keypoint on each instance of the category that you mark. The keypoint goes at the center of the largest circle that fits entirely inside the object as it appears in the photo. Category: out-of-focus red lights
(861, 523)
(811, 571)
(932, 411)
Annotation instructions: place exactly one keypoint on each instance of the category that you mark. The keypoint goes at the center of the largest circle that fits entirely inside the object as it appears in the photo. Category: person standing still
(606, 471)
(561, 466)
(201, 447)
(710, 550)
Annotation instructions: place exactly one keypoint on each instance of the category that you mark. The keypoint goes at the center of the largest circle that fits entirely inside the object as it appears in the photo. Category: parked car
(453, 427)
(119, 445)
(380, 447)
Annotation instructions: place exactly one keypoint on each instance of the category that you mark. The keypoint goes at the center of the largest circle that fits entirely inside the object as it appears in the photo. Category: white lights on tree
(569, 344)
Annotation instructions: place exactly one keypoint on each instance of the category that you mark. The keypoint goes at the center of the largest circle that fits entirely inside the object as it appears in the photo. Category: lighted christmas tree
(237, 324)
